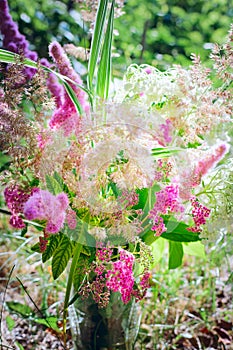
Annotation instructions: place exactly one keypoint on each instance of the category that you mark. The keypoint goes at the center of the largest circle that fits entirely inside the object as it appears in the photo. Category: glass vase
(112, 328)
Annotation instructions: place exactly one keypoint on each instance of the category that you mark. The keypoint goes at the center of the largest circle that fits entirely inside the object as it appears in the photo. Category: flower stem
(77, 251)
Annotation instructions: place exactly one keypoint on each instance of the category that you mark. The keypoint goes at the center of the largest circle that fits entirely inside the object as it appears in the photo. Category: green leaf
(58, 178)
(10, 323)
(105, 66)
(19, 308)
(175, 254)
(50, 322)
(19, 345)
(195, 249)
(148, 237)
(53, 185)
(53, 243)
(36, 248)
(96, 40)
(4, 161)
(80, 272)
(177, 231)
(147, 198)
(61, 256)
(24, 230)
(157, 249)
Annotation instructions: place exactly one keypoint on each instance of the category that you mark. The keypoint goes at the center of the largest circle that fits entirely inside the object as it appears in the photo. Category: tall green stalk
(77, 251)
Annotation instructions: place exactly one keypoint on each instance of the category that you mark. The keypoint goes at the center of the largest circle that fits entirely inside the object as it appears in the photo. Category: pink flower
(128, 199)
(120, 278)
(56, 89)
(206, 164)
(103, 253)
(43, 205)
(148, 70)
(192, 177)
(71, 219)
(16, 198)
(16, 221)
(167, 200)
(43, 138)
(158, 226)
(66, 116)
(199, 213)
(166, 129)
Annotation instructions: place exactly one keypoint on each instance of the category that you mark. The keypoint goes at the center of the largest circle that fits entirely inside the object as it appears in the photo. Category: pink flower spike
(66, 115)
(209, 162)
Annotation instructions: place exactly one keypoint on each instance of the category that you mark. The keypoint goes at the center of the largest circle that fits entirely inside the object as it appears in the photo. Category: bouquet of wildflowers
(102, 177)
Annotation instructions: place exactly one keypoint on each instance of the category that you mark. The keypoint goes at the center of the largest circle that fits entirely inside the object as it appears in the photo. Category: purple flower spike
(12, 39)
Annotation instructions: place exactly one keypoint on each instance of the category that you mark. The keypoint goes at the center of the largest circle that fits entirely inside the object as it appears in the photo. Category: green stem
(77, 251)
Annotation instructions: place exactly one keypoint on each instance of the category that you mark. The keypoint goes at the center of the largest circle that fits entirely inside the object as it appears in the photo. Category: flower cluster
(186, 99)
(16, 198)
(120, 278)
(200, 213)
(42, 205)
(167, 201)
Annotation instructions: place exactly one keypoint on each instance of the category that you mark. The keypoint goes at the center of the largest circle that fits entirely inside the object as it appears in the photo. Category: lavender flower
(13, 40)
(43, 205)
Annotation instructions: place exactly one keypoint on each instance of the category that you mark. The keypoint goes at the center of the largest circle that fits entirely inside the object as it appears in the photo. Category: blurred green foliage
(165, 32)
(43, 21)
(158, 32)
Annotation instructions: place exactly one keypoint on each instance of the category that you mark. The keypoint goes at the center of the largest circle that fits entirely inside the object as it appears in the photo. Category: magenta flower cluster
(66, 116)
(167, 201)
(200, 213)
(16, 198)
(103, 253)
(43, 205)
(120, 278)
(12, 39)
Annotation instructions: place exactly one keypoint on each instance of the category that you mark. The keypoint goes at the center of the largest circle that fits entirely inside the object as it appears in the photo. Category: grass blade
(97, 38)
(104, 71)
(10, 57)
(73, 97)
(164, 152)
